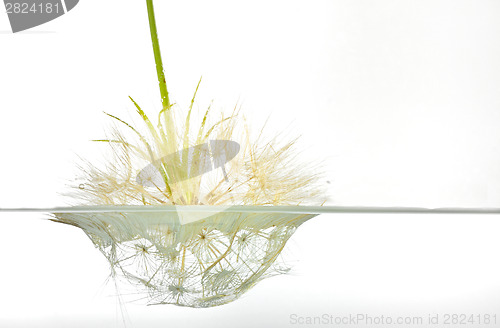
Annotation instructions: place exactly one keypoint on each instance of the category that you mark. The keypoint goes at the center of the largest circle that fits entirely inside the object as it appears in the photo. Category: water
(254, 209)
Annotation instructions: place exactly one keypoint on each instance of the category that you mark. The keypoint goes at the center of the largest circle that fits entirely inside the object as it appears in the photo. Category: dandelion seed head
(206, 262)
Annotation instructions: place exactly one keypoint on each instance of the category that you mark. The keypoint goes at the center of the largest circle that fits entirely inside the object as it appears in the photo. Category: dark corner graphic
(25, 14)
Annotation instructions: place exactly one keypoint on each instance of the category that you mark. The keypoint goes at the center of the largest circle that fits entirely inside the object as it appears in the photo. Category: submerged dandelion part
(205, 263)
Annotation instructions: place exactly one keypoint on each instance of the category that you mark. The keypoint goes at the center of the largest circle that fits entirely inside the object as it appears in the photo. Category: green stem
(171, 145)
(156, 48)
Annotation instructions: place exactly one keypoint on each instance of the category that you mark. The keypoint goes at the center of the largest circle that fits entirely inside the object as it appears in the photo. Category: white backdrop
(399, 97)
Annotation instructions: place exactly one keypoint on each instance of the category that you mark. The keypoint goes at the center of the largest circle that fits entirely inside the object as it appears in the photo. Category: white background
(400, 98)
